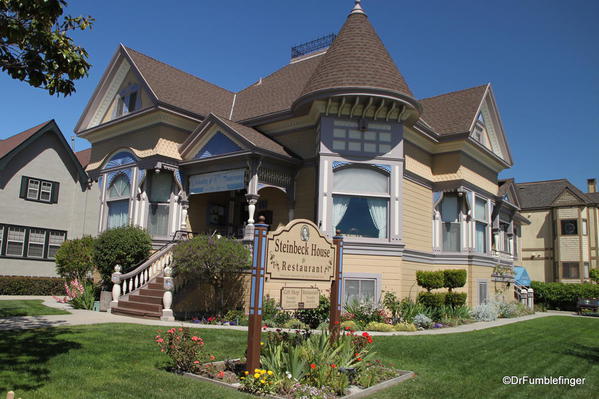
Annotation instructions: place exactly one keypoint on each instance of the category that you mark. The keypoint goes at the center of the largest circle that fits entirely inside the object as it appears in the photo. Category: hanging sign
(299, 251)
(299, 298)
(217, 181)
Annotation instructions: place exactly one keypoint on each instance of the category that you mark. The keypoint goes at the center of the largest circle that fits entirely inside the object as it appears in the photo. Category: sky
(541, 57)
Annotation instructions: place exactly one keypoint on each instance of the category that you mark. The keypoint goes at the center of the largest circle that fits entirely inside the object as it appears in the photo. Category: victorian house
(336, 136)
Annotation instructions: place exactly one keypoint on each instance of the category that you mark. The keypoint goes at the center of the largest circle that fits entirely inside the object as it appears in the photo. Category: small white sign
(217, 181)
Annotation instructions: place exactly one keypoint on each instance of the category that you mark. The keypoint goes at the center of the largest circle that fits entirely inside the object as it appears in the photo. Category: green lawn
(121, 360)
(34, 307)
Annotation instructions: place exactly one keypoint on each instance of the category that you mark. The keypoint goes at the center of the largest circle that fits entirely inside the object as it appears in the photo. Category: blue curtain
(118, 214)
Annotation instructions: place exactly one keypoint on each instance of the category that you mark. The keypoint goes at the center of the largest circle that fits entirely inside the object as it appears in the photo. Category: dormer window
(479, 130)
(129, 100)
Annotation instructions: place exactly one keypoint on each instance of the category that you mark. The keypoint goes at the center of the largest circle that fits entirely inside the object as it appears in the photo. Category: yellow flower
(256, 370)
(261, 343)
(262, 371)
(270, 372)
(242, 378)
(263, 381)
(246, 372)
(256, 375)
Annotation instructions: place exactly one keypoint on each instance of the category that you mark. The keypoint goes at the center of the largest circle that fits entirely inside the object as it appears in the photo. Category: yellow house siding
(417, 220)
(568, 213)
(418, 161)
(301, 142)
(305, 193)
(154, 140)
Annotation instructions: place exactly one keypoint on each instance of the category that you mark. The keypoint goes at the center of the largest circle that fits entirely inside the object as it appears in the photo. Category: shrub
(349, 324)
(409, 309)
(563, 296)
(295, 324)
(456, 299)
(422, 321)
(127, 246)
(376, 326)
(75, 258)
(260, 382)
(80, 296)
(364, 312)
(393, 305)
(485, 312)
(323, 326)
(186, 352)
(217, 262)
(594, 275)
(236, 316)
(430, 280)
(431, 300)
(282, 318)
(315, 317)
(21, 285)
(410, 327)
(454, 278)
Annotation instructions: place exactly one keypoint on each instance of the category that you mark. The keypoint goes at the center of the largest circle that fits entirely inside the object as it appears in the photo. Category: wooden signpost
(300, 252)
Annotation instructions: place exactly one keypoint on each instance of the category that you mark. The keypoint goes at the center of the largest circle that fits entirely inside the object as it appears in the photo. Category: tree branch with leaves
(35, 46)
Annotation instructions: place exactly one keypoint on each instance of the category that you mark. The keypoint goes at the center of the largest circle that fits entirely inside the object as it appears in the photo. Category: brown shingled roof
(180, 89)
(357, 58)
(84, 157)
(542, 194)
(255, 138)
(9, 144)
(453, 112)
(276, 92)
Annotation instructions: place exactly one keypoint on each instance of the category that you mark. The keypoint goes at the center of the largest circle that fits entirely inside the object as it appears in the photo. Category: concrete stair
(145, 302)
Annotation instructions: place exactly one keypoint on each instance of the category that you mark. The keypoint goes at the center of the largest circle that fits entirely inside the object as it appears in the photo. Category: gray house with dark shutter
(45, 198)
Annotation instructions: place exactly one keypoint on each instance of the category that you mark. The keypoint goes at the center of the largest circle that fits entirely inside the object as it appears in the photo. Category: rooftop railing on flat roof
(312, 46)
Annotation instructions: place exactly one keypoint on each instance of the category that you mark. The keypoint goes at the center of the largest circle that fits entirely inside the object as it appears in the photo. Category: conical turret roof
(357, 59)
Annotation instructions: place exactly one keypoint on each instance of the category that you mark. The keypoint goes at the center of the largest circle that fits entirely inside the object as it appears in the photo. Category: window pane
(569, 227)
(132, 101)
(384, 148)
(55, 241)
(367, 290)
(352, 291)
(570, 270)
(383, 136)
(361, 217)
(451, 237)
(33, 189)
(369, 147)
(360, 180)
(371, 136)
(158, 220)
(480, 209)
(355, 134)
(584, 227)
(37, 239)
(161, 187)
(586, 269)
(482, 292)
(339, 133)
(46, 191)
(119, 188)
(449, 208)
(118, 212)
(338, 145)
(15, 239)
(353, 146)
(480, 244)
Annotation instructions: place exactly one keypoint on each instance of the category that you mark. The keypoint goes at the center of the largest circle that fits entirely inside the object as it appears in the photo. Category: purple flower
(438, 325)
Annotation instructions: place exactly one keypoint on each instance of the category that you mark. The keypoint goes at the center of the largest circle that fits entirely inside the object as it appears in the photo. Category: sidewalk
(87, 317)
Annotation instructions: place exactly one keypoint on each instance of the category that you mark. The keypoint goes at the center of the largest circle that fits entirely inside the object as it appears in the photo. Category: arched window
(361, 202)
(118, 202)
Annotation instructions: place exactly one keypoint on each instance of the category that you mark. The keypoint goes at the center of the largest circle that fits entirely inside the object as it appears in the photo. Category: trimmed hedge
(430, 280)
(456, 299)
(431, 300)
(22, 285)
(561, 295)
(455, 278)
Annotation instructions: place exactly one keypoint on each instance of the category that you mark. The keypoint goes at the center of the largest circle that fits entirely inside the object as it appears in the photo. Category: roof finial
(357, 8)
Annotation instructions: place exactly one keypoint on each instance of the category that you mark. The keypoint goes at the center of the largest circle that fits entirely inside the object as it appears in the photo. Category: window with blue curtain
(118, 202)
(361, 202)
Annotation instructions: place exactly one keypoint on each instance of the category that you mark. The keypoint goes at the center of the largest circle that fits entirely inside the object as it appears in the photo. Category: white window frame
(457, 222)
(486, 223)
(585, 230)
(386, 197)
(45, 188)
(8, 240)
(479, 285)
(43, 243)
(51, 245)
(377, 278)
(124, 197)
(36, 189)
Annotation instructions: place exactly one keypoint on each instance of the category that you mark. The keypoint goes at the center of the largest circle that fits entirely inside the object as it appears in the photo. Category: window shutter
(54, 198)
(24, 184)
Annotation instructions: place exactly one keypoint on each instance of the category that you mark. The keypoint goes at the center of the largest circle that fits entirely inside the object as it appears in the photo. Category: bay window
(160, 189)
(481, 217)
(118, 202)
(450, 223)
(361, 202)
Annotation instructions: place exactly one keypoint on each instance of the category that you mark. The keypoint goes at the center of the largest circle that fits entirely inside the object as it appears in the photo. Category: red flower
(357, 355)
(212, 357)
(359, 359)
(336, 322)
(365, 334)
(220, 374)
(312, 366)
(333, 365)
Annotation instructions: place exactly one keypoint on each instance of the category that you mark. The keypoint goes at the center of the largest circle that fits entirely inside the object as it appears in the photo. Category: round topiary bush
(455, 278)
(430, 280)
(456, 299)
(127, 246)
(75, 258)
(431, 300)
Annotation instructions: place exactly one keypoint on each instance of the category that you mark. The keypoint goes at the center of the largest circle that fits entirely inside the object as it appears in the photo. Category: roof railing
(312, 46)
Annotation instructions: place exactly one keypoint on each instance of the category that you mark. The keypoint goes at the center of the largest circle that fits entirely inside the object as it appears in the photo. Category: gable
(567, 197)
(219, 144)
(131, 85)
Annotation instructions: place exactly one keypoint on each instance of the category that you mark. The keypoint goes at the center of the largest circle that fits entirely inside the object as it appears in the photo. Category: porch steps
(145, 302)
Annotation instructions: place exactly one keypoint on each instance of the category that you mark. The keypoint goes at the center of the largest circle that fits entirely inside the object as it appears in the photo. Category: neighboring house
(46, 198)
(561, 241)
(336, 136)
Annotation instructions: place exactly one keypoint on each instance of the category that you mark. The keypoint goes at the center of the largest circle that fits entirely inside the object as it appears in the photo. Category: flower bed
(294, 365)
